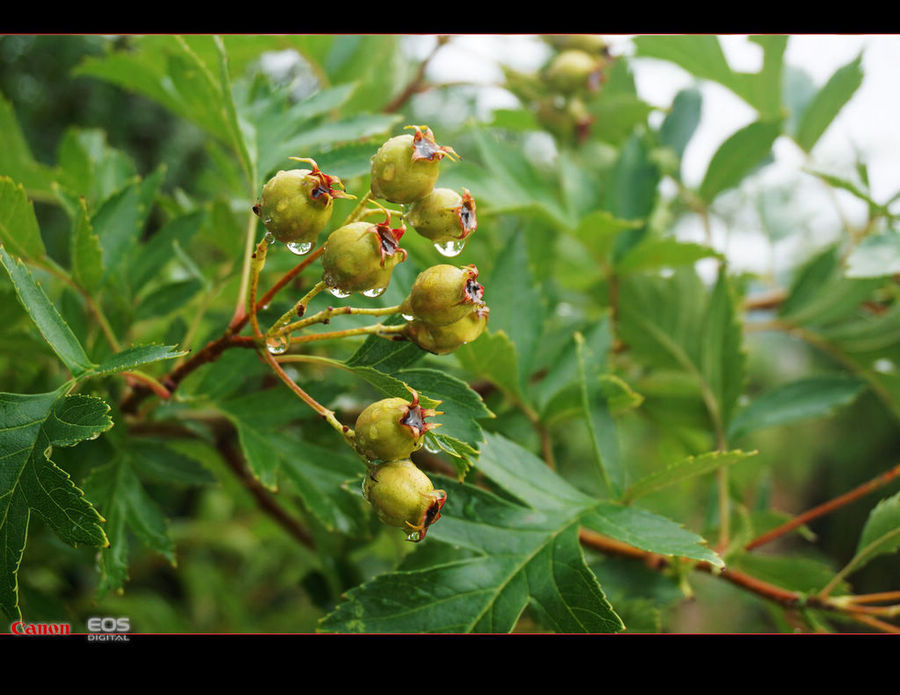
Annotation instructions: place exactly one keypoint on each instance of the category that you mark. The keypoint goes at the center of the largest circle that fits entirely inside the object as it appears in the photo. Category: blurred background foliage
(534, 169)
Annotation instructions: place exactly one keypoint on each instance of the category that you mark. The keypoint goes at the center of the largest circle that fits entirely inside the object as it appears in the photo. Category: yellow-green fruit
(573, 70)
(443, 215)
(403, 496)
(441, 340)
(405, 168)
(590, 43)
(391, 429)
(360, 257)
(443, 294)
(293, 206)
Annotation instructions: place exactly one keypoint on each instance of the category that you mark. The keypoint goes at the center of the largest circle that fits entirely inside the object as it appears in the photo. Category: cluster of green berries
(386, 434)
(560, 94)
(445, 307)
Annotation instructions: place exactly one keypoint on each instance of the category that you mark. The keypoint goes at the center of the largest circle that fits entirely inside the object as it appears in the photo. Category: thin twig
(417, 83)
(826, 508)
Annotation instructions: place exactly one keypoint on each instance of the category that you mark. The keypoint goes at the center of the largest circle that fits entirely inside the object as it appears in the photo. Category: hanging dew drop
(374, 292)
(277, 344)
(414, 536)
(408, 317)
(299, 248)
(450, 248)
(340, 294)
(269, 237)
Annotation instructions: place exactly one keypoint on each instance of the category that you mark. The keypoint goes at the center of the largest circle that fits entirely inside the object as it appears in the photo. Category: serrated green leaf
(797, 401)
(386, 355)
(684, 469)
(136, 356)
(19, 230)
(633, 190)
(85, 250)
(876, 256)
(119, 221)
(45, 316)
(29, 480)
(541, 566)
(828, 102)
(741, 153)
(118, 494)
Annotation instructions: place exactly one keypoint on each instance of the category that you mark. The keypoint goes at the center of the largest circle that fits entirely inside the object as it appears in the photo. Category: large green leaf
(493, 357)
(682, 120)
(45, 316)
(526, 554)
(30, 426)
(85, 251)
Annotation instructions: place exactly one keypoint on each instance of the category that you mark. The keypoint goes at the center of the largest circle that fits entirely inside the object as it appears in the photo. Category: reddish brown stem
(417, 83)
(825, 508)
(876, 598)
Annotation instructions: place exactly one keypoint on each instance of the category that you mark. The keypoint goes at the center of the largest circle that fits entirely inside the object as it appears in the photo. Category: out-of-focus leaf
(875, 256)
(616, 116)
(663, 253)
(17, 161)
(880, 535)
(167, 298)
(739, 155)
(119, 495)
(827, 103)
(682, 120)
(494, 357)
(19, 229)
(797, 401)
(601, 426)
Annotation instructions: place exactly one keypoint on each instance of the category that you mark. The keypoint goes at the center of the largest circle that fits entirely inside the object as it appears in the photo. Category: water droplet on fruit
(431, 446)
(408, 317)
(450, 248)
(277, 344)
(340, 294)
(374, 292)
(414, 536)
(269, 237)
(300, 248)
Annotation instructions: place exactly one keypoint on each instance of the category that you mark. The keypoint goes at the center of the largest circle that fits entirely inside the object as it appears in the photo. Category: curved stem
(327, 415)
(298, 309)
(257, 262)
(826, 508)
(376, 329)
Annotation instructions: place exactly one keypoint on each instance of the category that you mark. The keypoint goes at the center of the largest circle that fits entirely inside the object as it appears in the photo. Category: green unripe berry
(360, 257)
(403, 496)
(443, 294)
(296, 205)
(441, 340)
(574, 70)
(443, 215)
(590, 43)
(392, 428)
(405, 168)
